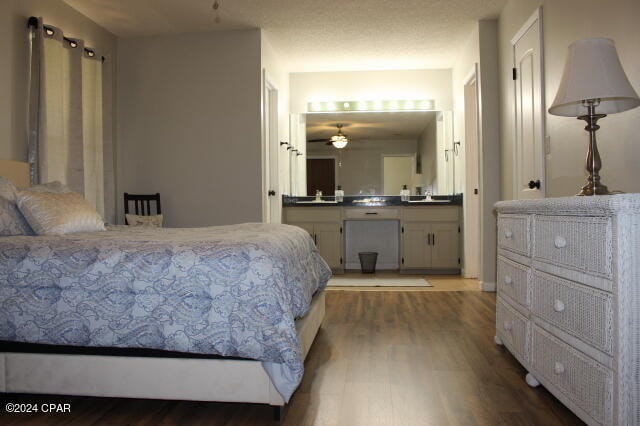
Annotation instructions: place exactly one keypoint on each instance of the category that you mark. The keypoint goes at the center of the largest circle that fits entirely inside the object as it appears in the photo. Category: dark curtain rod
(33, 22)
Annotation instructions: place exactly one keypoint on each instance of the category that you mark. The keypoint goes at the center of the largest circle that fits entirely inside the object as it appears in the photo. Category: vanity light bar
(364, 106)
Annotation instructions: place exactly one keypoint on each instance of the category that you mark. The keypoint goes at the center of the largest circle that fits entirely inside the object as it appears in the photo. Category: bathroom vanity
(417, 236)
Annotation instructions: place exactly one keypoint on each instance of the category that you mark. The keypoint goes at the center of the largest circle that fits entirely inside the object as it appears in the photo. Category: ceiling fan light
(340, 143)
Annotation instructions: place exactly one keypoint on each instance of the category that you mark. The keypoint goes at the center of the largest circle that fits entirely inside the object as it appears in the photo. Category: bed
(209, 314)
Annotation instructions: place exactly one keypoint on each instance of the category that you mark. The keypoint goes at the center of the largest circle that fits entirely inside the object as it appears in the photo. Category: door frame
(271, 205)
(534, 19)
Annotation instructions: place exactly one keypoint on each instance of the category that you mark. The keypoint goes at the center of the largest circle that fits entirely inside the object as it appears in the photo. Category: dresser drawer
(581, 311)
(513, 233)
(580, 243)
(513, 329)
(513, 280)
(585, 382)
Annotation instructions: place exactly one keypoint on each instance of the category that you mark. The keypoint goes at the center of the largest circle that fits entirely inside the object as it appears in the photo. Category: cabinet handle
(315, 239)
(428, 239)
(559, 242)
(507, 325)
(433, 239)
(508, 233)
(371, 212)
(558, 306)
(558, 368)
(508, 280)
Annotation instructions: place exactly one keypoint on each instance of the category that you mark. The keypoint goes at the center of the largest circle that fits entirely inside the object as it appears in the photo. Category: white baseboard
(484, 286)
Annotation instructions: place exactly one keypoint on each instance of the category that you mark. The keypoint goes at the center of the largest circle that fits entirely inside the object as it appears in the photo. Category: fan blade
(318, 140)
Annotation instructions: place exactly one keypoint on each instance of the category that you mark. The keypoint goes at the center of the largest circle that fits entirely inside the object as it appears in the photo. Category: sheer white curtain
(66, 137)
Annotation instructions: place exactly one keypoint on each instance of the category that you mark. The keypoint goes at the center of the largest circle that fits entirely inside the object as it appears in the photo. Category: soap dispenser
(404, 193)
(339, 194)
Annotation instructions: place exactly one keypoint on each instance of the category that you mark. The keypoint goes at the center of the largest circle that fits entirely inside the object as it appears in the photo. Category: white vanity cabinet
(430, 238)
(568, 302)
(324, 224)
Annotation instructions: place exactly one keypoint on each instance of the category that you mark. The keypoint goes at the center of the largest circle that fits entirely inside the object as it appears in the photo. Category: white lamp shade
(593, 71)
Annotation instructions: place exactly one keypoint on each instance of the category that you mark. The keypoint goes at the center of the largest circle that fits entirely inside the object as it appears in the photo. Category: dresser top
(576, 205)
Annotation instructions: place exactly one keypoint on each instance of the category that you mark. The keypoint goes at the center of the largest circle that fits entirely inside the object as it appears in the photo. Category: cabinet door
(329, 242)
(445, 250)
(416, 251)
(307, 226)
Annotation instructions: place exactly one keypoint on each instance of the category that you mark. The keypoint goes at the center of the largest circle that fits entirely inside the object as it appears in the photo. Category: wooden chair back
(141, 204)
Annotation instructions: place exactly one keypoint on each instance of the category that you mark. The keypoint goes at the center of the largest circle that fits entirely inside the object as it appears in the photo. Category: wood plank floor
(381, 358)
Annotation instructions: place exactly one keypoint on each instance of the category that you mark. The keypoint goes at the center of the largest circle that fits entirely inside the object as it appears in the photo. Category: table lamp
(592, 79)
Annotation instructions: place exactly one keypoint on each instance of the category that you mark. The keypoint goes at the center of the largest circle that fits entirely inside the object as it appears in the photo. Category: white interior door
(472, 177)
(529, 106)
(397, 171)
(272, 205)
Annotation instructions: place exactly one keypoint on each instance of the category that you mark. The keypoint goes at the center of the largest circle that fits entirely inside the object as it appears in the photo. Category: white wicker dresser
(568, 303)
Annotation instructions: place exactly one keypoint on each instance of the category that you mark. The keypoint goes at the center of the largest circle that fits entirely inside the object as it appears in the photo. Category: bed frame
(195, 379)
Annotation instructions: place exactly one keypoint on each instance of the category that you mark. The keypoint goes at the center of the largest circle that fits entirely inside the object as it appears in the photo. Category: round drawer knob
(507, 325)
(558, 368)
(508, 234)
(508, 280)
(558, 305)
(559, 242)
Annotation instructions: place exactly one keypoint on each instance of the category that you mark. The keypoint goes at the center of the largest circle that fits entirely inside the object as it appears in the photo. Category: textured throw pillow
(58, 213)
(154, 221)
(11, 220)
(7, 189)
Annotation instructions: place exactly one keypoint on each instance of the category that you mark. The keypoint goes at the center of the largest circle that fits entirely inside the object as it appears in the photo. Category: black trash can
(368, 261)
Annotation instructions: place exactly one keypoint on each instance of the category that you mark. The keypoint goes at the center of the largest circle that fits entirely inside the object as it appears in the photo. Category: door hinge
(515, 73)
(403, 260)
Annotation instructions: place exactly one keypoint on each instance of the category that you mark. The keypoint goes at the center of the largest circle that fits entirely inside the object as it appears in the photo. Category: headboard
(16, 171)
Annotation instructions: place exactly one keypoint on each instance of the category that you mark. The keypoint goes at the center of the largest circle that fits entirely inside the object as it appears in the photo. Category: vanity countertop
(370, 201)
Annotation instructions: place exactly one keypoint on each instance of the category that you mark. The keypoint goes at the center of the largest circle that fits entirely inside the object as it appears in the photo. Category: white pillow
(58, 213)
(154, 221)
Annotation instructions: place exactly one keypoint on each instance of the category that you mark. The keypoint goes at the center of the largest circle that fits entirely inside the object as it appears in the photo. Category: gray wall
(361, 171)
(189, 117)
(564, 22)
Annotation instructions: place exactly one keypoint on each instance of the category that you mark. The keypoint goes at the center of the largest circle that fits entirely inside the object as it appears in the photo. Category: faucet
(318, 195)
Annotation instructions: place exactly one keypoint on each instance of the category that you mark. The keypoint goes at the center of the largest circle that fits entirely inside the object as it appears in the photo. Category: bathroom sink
(424, 200)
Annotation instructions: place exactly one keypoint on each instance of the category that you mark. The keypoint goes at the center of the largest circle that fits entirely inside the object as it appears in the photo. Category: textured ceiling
(314, 35)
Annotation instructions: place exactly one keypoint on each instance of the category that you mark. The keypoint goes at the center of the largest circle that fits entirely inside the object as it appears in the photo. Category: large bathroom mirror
(384, 152)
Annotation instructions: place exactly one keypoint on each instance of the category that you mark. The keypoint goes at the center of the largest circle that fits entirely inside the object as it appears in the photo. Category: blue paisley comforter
(227, 290)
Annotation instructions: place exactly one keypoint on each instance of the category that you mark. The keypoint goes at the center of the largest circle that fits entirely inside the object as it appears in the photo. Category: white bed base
(147, 377)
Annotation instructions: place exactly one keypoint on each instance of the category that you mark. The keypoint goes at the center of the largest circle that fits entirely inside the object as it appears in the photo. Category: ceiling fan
(338, 140)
